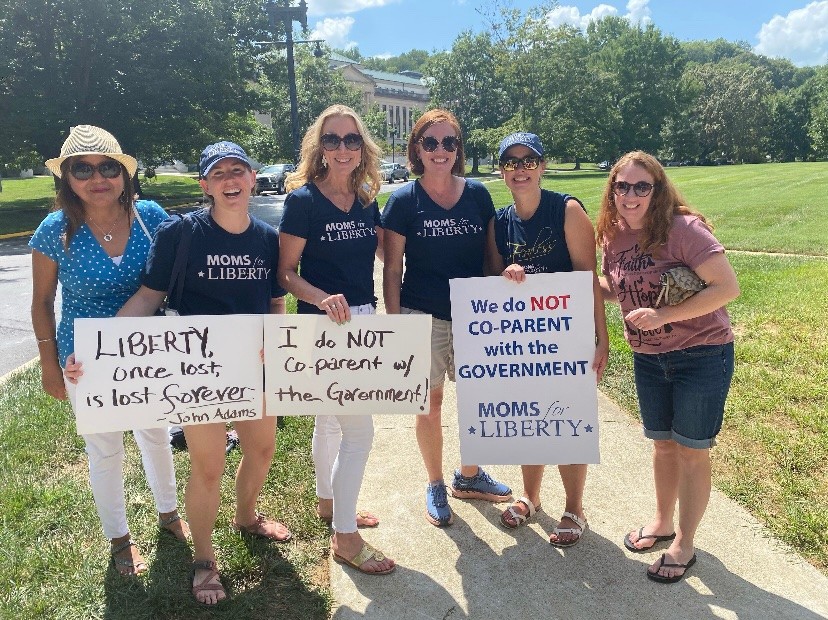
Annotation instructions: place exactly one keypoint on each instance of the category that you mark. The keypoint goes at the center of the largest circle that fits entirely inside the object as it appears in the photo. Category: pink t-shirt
(635, 278)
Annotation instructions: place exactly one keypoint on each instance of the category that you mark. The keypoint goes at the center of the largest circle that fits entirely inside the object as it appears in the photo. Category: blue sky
(793, 29)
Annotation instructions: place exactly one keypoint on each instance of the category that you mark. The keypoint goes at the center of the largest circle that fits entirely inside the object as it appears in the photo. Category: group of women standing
(114, 256)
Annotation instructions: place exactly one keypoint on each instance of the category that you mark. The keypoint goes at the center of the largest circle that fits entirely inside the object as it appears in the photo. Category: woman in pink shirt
(683, 354)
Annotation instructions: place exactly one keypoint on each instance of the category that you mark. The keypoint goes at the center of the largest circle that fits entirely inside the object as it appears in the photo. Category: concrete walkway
(477, 569)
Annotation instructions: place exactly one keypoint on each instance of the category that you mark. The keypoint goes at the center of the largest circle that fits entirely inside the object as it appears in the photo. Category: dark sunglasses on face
(641, 189)
(530, 162)
(450, 143)
(331, 141)
(84, 171)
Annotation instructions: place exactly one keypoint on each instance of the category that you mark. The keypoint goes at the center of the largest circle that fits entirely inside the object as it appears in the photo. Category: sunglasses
(641, 189)
(530, 162)
(331, 141)
(450, 143)
(84, 171)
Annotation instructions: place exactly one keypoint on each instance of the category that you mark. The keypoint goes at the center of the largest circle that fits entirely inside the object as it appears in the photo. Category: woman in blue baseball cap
(546, 232)
(225, 226)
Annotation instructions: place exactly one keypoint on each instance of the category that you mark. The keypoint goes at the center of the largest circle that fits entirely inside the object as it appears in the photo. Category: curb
(22, 368)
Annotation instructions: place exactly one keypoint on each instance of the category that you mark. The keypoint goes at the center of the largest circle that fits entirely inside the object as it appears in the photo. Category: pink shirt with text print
(635, 278)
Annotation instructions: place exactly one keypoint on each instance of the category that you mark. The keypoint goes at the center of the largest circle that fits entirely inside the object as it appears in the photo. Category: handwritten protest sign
(372, 365)
(160, 371)
(526, 392)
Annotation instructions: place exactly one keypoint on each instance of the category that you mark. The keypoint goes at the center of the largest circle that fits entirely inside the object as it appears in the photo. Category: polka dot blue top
(92, 284)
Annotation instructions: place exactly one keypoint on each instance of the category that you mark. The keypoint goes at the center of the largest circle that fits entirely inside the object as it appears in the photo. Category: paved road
(17, 343)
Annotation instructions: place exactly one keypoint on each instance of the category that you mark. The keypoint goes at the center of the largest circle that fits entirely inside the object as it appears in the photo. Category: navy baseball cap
(214, 153)
(528, 140)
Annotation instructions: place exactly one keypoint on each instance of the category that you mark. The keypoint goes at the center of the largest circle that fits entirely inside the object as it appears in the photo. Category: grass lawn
(25, 202)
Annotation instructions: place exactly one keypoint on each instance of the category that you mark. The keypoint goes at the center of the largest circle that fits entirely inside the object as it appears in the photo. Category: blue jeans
(681, 394)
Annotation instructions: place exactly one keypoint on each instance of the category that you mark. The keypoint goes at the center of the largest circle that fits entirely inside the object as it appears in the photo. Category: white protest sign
(159, 371)
(526, 391)
(375, 364)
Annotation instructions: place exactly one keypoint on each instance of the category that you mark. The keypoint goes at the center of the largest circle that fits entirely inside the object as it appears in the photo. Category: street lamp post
(393, 133)
(287, 15)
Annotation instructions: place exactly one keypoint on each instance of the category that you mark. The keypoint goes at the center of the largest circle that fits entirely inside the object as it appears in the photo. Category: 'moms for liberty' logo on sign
(526, 391)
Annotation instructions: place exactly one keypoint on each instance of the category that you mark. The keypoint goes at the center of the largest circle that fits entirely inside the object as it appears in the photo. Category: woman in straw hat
(95, 243)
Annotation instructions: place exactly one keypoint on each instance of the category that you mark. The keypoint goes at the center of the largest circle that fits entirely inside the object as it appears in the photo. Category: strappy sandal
(579, 531)
(164, 526)
(135, 568)
(362, 515)
(257, 529)
(207, 584)
(517, 519)
(367, 553)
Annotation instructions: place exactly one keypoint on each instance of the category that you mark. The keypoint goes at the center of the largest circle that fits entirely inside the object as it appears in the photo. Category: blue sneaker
(481, 486)
(437, 509)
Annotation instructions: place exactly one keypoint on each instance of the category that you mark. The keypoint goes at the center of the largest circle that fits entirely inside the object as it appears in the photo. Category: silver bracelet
(39, 340)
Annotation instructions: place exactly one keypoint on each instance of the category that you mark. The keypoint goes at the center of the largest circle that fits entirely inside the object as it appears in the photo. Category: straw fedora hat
(91, 140)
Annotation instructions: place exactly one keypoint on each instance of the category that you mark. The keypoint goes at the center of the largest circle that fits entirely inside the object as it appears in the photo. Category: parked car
(604, 165)
(392, 172)
(272, 178)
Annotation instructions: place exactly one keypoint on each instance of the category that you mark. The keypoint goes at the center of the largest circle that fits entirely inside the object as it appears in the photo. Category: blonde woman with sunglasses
(442, 225)
(329, 235)
(546, 232)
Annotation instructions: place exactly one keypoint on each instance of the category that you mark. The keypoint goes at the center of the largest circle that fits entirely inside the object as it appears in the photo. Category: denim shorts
(442, 349)
(681, 394)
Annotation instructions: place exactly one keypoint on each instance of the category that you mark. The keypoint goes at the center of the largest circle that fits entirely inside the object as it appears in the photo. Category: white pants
(106, 472)
(340, 448)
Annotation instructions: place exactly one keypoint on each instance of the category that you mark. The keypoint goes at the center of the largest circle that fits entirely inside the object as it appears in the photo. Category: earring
(324, 162)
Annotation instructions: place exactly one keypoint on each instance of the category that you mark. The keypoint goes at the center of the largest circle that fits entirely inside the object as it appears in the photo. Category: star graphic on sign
(419, 234)
(471, 430)
(200, 274)
(321, 238)
(588, 428)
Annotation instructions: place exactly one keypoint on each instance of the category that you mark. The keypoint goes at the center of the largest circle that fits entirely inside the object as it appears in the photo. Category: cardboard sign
(159, 371)
(375, 364)
(526, 391)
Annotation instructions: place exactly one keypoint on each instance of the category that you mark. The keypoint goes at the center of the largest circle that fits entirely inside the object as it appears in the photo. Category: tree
(787, 132)
(733, 109)
(414, 60)
(136, 69)
(817, 90)
(463, 82)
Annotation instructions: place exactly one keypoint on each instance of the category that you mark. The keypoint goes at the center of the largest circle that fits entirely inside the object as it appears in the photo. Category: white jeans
(340, 448)
(106, 472)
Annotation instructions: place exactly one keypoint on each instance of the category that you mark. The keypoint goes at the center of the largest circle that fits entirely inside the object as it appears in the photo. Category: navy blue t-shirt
(226, 273)
(440, 244)
(339, 247)
(539, 243)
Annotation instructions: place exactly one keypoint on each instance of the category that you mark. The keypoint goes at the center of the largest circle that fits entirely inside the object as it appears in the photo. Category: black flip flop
(656, 577)
(641, 536)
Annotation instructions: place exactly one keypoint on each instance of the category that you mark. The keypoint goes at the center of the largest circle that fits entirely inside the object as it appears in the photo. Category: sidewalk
(477, 569)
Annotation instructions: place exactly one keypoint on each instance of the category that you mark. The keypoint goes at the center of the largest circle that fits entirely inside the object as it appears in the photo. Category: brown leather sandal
(207, 584)
(134, 568)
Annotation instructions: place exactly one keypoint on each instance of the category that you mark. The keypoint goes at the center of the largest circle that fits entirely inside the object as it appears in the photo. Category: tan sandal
(134, 568)
(257, 528)
(579, 531)
(207, 584)
(512, 519)
(367, 553)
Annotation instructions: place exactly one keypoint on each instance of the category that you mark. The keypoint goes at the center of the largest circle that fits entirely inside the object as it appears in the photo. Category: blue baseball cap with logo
(214, 153)
(523, 138)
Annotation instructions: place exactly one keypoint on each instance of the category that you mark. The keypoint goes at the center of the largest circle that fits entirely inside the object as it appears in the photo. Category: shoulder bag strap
(180, 266)
(141, 222)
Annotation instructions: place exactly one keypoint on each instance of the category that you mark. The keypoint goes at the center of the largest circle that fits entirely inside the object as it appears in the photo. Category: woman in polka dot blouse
(94, 244)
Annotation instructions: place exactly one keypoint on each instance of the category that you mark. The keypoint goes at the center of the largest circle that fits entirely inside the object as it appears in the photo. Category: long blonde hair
(365, 180)
(665, 203)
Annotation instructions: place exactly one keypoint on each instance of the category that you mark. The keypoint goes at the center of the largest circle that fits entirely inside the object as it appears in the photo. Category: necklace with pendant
(108, 235)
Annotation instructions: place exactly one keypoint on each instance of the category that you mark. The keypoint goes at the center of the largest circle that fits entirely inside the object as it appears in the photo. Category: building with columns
(397, 94)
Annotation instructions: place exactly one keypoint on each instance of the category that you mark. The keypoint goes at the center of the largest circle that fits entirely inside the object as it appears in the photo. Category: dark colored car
(272, 178)
(393, 172)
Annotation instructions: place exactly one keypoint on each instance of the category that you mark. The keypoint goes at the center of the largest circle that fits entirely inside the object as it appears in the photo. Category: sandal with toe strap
(165, 523)
(367, 553)
(512, 519)
(363, 519)
(211, 583)
(257, 528)
(135, 568)
(579, 531)
(630, 545)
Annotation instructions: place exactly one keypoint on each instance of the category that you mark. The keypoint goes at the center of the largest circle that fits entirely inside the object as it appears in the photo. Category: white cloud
(801, 36)
(638, 12)
(335, 31)
(338, 7)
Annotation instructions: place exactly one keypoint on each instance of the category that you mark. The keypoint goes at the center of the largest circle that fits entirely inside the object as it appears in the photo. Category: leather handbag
(678, 284)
